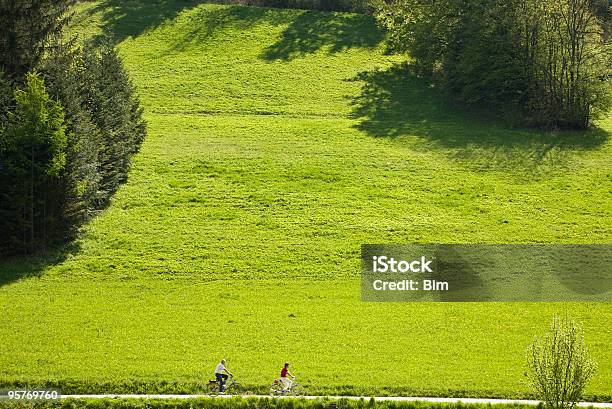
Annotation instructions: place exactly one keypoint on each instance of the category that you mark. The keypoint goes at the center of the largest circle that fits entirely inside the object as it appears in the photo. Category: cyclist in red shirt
(285, 375)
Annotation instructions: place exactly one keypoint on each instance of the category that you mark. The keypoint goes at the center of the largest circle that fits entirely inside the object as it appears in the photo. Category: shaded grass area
(395, 102)
(18, 268)
(305, 32)
(130, 18)
(269, 161)
(312, 31)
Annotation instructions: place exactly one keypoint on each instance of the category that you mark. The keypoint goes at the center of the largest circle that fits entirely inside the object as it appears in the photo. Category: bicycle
(277, 388)
(232, 387)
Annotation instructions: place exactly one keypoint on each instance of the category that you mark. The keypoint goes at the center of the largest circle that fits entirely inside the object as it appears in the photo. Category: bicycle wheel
(212, 388)
(276, 389)
(298, 390)
(234, 389)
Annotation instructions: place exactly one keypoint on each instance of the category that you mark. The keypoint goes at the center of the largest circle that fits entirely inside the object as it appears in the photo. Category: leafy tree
(34, 157)
(567, 61)
(545, 61)
(559, 365)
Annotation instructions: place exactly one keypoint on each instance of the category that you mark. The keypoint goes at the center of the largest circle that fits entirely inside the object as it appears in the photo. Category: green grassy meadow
(279, 142)
(243, 403)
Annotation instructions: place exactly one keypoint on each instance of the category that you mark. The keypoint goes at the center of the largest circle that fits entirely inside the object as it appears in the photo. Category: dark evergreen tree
(6, 95)
(116, 111)
(34, 157)
(64, 75)
(27, 29)
(66, 147)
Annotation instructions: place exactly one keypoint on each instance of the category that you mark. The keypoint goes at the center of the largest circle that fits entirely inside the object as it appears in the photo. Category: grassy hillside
(279, 142)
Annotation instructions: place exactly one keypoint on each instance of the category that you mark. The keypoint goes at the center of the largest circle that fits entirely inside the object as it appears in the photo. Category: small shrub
(559, 365)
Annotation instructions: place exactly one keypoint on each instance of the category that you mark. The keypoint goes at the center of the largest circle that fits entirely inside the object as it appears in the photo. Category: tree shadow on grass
(207, 22)
(130, 18)
(306, 33)
(396, 103)
(315, 30)
(22, 267)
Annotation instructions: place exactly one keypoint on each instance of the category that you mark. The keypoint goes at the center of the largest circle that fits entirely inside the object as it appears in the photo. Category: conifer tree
(34, 158)
(27, 29)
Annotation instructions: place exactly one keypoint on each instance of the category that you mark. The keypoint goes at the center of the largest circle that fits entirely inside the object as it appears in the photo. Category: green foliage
(115, 110)
(420, 27)
(545, 61)
(6, 96)
(568, 63)
(103, 119)
(34, 145)
(65, 77)
(27, 29)
(560, 365)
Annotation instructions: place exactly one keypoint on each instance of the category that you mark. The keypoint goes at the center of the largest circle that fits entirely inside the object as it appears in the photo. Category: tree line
(544, 62)
(70, 121)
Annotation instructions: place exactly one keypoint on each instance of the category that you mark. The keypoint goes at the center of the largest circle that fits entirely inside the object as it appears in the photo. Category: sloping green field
(279, 142)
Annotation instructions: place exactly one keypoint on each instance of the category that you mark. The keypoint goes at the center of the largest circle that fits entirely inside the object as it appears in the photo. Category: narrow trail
(377, 398)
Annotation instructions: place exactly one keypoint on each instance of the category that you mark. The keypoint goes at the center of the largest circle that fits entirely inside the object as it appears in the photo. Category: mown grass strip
(248, 403)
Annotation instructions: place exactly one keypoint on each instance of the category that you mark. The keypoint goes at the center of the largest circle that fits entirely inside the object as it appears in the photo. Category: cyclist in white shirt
(221, 374)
